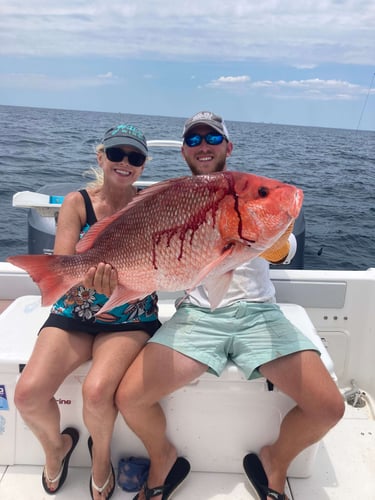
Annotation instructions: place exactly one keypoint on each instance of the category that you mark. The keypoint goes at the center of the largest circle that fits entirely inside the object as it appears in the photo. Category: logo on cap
(206, 115)
(127, 130)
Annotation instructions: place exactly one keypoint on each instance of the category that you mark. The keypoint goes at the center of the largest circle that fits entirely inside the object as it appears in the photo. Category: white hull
(340, 306)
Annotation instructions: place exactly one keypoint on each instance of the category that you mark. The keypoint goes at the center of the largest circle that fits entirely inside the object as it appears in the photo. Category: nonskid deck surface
(343, 470)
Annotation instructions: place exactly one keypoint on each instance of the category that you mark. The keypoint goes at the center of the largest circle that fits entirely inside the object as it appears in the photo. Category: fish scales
(197, 216)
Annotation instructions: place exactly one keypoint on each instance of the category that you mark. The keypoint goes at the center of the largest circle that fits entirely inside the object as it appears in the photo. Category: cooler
(213, 421)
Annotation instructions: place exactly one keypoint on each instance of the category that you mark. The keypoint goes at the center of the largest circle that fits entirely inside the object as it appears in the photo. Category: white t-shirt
(251, 282)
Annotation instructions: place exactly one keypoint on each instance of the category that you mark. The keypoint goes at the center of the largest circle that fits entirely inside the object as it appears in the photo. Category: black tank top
(90, 214)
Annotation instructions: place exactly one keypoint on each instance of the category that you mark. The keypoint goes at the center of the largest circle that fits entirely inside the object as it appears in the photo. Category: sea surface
(334, 167)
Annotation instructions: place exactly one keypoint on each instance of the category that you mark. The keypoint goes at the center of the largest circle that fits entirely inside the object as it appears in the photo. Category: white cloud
(230, 82)
(304, 66)
(231, 79)
(40, 81)
(108, 75)
(222, 52)
(298, 33)
(311, 89)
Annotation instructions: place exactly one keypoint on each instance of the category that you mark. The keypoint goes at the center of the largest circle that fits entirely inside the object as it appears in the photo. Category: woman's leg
(112, 355)
(56, 354)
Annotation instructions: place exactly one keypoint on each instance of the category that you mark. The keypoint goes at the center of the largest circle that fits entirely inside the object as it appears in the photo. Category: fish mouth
(297, 204)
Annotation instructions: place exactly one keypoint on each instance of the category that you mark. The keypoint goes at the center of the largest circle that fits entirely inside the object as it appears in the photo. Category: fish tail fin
(47, 272)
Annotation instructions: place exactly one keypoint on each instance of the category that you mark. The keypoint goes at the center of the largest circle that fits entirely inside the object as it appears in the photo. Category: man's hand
(102, 278)
(279, 250)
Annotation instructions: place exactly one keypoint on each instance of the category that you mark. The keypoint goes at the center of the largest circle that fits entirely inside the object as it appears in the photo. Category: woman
(73, 334)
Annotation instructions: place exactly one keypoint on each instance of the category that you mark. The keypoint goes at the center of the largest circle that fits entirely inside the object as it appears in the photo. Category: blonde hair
(96, 171)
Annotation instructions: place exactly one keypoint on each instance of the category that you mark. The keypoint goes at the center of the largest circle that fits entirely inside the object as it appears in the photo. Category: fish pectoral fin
(217, 287)
(216, 284)
(212, 267)
(120, 296)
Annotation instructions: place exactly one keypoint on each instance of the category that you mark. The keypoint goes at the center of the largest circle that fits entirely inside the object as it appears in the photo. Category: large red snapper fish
(175, 235)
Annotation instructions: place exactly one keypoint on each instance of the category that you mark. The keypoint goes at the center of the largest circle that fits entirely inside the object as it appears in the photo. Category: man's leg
(156, 372)
(304, 378)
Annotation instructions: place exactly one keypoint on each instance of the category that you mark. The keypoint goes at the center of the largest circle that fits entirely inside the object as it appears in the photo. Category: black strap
(269, 385)
(90, 214)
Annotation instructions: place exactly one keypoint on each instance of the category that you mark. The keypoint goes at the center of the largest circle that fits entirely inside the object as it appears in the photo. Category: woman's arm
(71, 219)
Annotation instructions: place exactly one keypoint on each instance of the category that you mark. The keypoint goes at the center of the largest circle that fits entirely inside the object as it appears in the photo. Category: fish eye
(263, 192)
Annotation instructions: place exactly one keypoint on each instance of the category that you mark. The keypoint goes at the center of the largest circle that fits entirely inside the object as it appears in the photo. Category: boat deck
(340, 306)
(344, 469)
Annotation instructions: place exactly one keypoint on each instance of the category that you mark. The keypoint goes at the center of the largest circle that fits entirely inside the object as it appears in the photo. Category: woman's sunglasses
(116, 155)
(212, 138)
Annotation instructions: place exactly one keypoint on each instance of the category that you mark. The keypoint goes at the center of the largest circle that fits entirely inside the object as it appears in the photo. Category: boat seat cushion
(21, 321)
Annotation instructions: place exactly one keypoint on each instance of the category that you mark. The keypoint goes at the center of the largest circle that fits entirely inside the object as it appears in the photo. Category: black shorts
(94, 328)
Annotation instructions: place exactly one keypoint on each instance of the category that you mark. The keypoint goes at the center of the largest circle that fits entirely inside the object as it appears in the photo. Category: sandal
(100, 489)
(175, 478)
(63, 472)
(258, 479)
(93, 485)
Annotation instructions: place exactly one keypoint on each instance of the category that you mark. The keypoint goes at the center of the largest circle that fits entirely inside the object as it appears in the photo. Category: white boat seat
(295, 313)
(214, 421)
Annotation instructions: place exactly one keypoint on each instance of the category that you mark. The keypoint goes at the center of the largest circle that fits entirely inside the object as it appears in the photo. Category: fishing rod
(365, 103)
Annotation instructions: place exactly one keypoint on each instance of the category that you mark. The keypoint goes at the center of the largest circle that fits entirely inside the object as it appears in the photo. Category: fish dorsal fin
(90, 237)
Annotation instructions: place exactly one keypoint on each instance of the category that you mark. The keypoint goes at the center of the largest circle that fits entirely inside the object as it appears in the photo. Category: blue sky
(309, 62)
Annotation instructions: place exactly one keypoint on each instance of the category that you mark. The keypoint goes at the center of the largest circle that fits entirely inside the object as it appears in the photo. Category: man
(160, 369)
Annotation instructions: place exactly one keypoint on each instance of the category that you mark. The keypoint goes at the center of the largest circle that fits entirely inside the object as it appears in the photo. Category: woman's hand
(102, 278)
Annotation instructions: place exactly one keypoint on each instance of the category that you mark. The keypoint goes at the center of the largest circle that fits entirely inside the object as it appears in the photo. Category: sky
(298, 62)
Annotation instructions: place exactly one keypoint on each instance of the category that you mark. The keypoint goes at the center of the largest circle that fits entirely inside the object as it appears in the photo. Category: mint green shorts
(249, 334)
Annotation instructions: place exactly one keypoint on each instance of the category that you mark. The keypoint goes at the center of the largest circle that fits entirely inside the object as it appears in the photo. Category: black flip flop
(74, 434)
(110, 493)
(258, 479)
(175, 478)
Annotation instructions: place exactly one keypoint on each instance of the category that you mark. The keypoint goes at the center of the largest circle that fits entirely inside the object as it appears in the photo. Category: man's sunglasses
(116, 155)
(212, 138)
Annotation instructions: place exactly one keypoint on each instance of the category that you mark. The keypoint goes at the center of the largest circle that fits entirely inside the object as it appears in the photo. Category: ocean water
(334, 167)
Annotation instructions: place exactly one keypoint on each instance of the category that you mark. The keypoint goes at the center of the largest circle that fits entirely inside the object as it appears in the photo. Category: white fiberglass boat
(214, 422)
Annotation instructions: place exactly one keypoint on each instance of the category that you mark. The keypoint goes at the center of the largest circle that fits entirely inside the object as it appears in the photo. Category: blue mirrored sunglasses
(212, 138)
